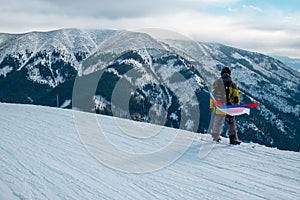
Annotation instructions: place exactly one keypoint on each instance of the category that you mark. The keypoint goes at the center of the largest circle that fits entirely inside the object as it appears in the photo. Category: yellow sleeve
(235, 97)
(211, 104)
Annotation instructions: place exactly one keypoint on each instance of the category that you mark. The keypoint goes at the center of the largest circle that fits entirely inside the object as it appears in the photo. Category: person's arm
(235, 95)
(211, 103)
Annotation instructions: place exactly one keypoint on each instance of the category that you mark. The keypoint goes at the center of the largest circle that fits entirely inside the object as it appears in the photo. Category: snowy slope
(42, 157)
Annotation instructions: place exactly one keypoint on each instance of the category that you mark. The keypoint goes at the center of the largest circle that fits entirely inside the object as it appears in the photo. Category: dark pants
(218, 121)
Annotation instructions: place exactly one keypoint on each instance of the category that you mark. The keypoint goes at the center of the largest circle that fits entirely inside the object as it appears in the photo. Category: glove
(235, 99)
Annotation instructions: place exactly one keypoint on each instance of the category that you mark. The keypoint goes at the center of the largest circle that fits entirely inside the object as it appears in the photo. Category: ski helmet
(225, 70)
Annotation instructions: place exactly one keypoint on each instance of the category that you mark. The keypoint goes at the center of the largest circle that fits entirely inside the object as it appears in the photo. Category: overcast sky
(266, 26)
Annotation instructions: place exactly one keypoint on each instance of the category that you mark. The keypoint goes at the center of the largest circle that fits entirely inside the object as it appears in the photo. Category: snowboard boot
(233, 140)
(217, 139)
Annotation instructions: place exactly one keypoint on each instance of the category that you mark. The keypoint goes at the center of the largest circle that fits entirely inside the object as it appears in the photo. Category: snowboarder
(225, 91)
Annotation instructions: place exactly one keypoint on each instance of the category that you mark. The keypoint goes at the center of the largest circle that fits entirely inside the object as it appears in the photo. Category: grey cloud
(103, 8)
(111, 9)
(29, 7)
(269, 26)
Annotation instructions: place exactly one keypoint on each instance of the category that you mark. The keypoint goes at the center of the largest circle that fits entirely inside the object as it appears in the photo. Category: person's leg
(217, 126)
(232, 132)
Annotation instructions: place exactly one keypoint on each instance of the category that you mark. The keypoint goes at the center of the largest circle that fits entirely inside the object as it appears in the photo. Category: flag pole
(57, 100)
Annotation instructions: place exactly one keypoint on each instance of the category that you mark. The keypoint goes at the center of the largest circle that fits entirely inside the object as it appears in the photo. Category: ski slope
(42, 157)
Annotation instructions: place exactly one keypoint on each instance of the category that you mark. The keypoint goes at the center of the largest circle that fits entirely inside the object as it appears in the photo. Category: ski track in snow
(42, 158)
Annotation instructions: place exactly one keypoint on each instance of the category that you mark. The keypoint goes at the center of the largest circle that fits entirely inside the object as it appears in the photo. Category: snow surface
(42, 157)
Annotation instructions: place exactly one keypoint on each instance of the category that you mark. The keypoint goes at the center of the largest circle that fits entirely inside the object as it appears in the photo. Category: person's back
(225, 91)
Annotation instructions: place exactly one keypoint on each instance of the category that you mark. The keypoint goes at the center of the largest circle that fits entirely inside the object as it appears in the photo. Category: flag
(233, 110)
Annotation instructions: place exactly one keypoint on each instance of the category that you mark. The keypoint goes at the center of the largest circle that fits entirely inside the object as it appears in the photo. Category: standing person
(226, 93)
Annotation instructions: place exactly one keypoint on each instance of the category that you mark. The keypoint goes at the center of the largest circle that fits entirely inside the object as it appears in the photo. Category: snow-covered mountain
(291, 62)
(166, 81)
(49, 58)
(43, 157)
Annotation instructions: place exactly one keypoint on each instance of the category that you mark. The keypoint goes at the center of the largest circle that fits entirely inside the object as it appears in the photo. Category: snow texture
(42, 157)
(66, 103)
(5, 70)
